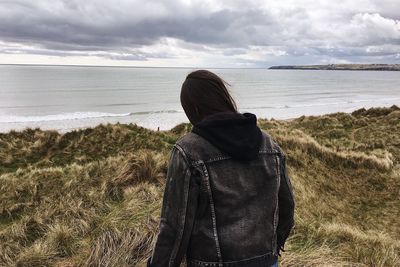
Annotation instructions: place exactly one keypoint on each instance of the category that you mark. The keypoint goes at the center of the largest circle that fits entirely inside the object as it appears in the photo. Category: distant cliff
(388, 67)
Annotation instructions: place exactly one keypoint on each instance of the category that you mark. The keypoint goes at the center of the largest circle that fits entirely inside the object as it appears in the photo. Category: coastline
(165, 121)
(85, 97)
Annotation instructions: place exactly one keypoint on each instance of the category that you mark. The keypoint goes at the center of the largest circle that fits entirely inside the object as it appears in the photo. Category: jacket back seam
(213, 215)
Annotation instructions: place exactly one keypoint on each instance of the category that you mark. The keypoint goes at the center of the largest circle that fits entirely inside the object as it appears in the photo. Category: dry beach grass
(92, 197)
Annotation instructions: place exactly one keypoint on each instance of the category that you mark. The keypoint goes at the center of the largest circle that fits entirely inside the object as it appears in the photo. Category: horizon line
(116, 66)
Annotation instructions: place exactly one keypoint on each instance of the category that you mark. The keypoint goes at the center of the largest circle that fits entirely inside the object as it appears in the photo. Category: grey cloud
(231, 28)
(118, 29)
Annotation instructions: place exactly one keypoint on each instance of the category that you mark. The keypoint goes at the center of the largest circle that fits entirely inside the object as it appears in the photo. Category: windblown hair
(204, 93)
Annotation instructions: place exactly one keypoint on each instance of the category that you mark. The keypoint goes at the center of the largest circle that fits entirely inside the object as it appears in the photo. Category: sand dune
(92, 197)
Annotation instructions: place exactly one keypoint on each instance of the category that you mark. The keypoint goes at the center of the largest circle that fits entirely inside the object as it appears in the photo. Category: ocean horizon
(65, 97)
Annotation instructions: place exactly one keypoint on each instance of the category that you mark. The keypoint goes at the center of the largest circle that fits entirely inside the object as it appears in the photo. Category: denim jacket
(220, 211)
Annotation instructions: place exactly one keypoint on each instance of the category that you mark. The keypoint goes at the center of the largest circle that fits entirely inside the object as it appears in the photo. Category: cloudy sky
(199, 33)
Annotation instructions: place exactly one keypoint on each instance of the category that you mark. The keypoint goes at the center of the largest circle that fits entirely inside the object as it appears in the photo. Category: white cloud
(368, 29)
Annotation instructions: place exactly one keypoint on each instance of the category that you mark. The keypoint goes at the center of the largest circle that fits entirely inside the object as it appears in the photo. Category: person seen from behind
(228, 199)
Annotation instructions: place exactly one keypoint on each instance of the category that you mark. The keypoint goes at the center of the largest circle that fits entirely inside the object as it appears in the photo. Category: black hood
(236, 134)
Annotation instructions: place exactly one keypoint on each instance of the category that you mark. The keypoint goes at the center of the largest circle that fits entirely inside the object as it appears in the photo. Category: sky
(199, 33)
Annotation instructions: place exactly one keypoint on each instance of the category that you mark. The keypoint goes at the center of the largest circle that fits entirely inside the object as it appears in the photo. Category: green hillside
(92, 197)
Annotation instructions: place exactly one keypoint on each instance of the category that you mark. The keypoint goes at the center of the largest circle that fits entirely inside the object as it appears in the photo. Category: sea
(66, 98)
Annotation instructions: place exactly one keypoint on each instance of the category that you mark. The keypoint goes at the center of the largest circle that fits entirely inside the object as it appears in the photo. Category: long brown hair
(204, 93)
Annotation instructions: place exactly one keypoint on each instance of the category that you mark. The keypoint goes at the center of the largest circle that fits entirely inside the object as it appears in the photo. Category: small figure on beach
(228, 197)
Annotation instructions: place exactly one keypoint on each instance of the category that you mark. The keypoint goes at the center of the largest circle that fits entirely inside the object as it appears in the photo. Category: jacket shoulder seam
(184, 154)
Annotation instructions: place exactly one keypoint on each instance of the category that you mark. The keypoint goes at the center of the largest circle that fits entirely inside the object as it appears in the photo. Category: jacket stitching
(185, 157)
(217, 159)
(213, 216)
(269, 151)
(274, 240)
(213, 263)
(272, 152)
(197, 163)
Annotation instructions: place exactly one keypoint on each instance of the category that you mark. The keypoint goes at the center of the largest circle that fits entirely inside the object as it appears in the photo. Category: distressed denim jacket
(219, 211)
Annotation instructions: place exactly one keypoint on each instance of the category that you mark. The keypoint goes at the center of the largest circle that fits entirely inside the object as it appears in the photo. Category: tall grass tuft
(92, 197)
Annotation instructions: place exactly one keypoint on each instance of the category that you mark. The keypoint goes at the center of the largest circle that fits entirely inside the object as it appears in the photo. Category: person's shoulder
(196, 147)
(189, 143)
(270, 142)
(187, 140)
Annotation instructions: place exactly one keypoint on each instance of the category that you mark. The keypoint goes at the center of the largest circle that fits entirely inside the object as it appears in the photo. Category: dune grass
(92, 197)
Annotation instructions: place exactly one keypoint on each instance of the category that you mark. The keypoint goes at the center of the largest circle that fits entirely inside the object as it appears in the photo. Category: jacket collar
(234, 133)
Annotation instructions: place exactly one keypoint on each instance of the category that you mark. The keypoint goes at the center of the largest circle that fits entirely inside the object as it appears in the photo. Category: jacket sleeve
(177, 212)
(286, 205)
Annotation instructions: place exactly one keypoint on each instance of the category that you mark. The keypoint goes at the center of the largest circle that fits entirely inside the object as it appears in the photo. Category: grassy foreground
(92, 197)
